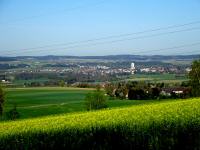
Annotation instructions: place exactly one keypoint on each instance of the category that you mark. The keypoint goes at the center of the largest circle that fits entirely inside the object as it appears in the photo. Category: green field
(36, 102)
(167, 125)
(166, 78)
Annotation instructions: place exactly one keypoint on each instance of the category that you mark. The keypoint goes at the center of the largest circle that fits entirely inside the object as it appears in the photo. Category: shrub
(95, 100)
(62, 83)
(13, 114)
(137, 94)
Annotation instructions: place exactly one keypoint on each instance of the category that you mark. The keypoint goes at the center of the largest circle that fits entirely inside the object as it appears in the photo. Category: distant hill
(109, 57)
(117, 57)
(8, 59)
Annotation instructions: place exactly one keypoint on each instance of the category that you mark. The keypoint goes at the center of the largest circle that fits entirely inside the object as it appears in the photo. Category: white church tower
(132, 68)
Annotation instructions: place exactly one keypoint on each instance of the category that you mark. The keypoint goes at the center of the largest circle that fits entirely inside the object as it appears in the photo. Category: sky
(99, 27)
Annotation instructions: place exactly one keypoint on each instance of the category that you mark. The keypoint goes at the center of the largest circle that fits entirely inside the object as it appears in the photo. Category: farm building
(175, 90)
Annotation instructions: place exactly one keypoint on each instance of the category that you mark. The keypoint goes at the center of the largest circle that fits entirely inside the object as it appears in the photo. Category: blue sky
(54, 25)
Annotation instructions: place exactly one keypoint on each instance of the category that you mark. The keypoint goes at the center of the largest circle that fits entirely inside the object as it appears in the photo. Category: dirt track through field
(46, 105)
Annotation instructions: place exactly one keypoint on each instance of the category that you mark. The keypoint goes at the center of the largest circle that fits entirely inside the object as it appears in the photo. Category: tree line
(146, 90)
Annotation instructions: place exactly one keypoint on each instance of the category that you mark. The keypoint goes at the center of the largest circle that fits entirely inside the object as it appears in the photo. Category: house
(175, 90)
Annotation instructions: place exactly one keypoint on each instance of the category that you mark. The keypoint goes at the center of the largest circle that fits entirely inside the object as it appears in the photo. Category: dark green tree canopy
(194, 76)
(2, 100)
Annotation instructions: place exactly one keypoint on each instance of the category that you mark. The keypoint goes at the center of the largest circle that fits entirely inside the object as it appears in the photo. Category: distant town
(52, 70)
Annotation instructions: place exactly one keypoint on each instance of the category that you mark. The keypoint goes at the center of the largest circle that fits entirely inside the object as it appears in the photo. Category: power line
(110, 37)
(194, 52)
(170, 48)
(142, 37)
(109, 42)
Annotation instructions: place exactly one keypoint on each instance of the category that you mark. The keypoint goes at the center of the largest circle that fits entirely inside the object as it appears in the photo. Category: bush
(138, 94)
(155, 93)
(13, 114)
(2, 100)
(95, 100)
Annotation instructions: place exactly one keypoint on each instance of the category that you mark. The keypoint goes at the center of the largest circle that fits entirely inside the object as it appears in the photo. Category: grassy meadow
(166, 78)
(37, 102)
(168, 125)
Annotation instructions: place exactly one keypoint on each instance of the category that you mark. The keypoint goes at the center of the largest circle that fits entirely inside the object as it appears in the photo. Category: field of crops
(37, 102)
(166, 78)
(167, 125)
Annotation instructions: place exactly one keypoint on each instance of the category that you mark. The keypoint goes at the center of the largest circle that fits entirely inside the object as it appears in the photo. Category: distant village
(91, 70)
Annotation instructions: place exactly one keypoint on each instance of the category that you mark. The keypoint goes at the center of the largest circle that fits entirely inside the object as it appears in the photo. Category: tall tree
(95, 100)
(2, 100)
(110, 88)
(194, 76)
